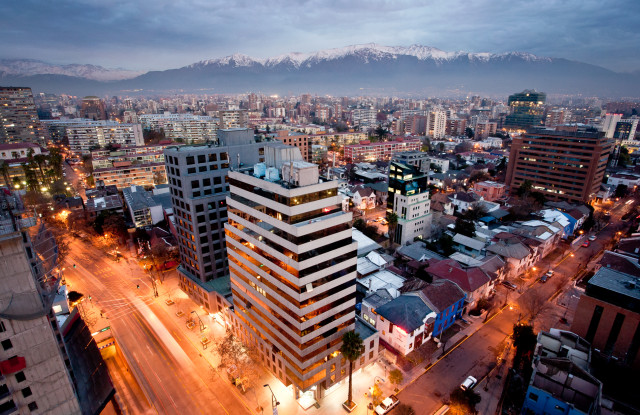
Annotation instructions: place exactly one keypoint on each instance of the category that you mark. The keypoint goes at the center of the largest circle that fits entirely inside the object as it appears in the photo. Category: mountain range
(368, 69)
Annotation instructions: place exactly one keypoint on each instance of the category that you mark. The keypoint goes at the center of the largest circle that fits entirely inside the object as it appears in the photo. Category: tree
(446, 244)
(463, 401)
(159, 177)
(392, 219)
(623, 158)
(426, 145)
(87, 164)
(469, 132)
(74, 296)
(621, 190)
(465, 227)
(381, 132)
(352, 348)
(533, 303)
(404, 409)
(422, 274)
(396, 377)
(524, 188)
(360, 224)
(5, 173)
(524, 340)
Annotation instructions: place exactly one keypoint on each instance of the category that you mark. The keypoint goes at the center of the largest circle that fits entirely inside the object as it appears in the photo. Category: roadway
(477, 355)
(167, 365)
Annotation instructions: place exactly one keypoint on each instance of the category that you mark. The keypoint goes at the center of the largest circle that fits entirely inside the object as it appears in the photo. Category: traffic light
(74, 265)
(138, 286)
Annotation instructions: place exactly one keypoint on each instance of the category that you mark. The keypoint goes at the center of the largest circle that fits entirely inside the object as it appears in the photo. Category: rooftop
(408, 312)
(616, 281)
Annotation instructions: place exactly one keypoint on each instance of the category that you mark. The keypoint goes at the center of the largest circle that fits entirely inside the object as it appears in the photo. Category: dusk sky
(163, 34)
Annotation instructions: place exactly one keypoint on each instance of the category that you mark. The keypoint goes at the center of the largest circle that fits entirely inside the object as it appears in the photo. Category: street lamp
(274, 401)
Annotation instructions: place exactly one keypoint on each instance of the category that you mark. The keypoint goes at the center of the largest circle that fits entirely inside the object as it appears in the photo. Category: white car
(592, 238)
(387, 405)
(468, 383)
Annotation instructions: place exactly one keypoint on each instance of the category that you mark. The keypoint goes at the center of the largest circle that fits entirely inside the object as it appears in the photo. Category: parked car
(387, 405)
(549, 274)
(544, 278)
(586, 244)
(509, 285)
(592, 238)
(468, 383)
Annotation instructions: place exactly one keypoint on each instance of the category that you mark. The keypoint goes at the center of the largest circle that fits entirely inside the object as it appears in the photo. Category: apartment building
(86, 136)
(125, 174)
(197, 177)
(436, 124)
(43, 370)
(384, 150)
(19, 122)
(292, 262)
(490, 190)
(101, 159)
(409, 199)
(527, 109)
(233, 119)
(184, 128)
(564, 165)
(300, 141)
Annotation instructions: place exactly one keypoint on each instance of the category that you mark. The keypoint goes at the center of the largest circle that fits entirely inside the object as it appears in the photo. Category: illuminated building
(527, 109)
(563, 165)
(19, 121)
(292, 262)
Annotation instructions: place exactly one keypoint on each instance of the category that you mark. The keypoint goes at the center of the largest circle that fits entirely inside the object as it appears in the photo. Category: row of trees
(39, 170)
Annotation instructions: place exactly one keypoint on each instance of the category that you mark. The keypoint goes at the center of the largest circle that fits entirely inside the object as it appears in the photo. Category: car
(509, 285)
(387, 405)
(468, 383)
(549, 274)
(544, 278)
(592, 238)
(586, 244)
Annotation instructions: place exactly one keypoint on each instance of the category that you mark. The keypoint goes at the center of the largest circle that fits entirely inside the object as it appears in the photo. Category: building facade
(197, 178)
(409, 199)
(293, 262)
(297, 140)
(527, 109)
(563, 165)
(125, 174)
(184, 128)
(384, 150)
(84, 137)
(19, 122)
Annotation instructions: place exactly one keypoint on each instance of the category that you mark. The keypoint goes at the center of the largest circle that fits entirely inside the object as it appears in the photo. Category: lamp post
(201, 323)
(274, 401)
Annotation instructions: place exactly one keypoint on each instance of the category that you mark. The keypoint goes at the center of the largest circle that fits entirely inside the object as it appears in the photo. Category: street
(477, 355)
(169, 367)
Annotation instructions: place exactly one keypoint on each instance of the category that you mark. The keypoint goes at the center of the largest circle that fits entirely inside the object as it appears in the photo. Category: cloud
(163, 34)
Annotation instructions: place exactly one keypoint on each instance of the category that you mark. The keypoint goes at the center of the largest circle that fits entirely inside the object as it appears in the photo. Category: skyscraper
(564, 165)
(197, 177)
(527, 109)
(93, 108)
(293, 267)
(19, 121)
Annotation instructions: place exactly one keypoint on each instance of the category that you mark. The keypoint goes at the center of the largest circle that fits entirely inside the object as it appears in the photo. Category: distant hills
(369, 69)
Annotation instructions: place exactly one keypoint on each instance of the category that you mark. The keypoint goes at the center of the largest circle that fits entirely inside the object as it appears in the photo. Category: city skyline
(171, 35)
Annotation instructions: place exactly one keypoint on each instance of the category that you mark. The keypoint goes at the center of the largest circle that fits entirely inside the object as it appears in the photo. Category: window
(195, 184)
(371, 355)
(371, 344)
(206, 182)
(213, 157)
(26, 392)
(201, 158)
(191, 160)
(533, 397)
(32, 406)
(2, 327)
(6, 344)
(20, 377)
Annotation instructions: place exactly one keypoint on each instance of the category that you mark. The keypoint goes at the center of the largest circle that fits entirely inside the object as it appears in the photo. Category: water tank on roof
(272, 174)
(259, 169)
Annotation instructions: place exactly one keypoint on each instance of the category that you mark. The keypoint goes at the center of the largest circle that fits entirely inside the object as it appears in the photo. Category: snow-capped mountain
(27, 67)
(369, 52)
(415, 70)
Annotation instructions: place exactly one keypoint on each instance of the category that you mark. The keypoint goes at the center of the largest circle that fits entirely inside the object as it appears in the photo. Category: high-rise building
(368, 151)
(93, 108)
(85, 136)
(527, 109)
(409, 200)
(436, 123)
(197, 177)
(233, 119)
(564, 165)
(19, 121)
(43, 368)
(293, 262)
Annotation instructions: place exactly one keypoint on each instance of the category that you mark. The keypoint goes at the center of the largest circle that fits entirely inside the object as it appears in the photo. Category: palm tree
(392, 218)
(5, 173)
(352, 348)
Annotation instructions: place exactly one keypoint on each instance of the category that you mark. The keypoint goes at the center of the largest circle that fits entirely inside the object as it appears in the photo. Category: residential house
(468, 246)
(517, 255)
(371, 303)
(447, 300)
(405, 322)
(547, 235)
(463, 201)
(364, 198)
(474, 281)
(440, 204)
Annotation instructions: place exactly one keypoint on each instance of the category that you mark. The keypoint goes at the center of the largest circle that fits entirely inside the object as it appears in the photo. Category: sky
(164, 34)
